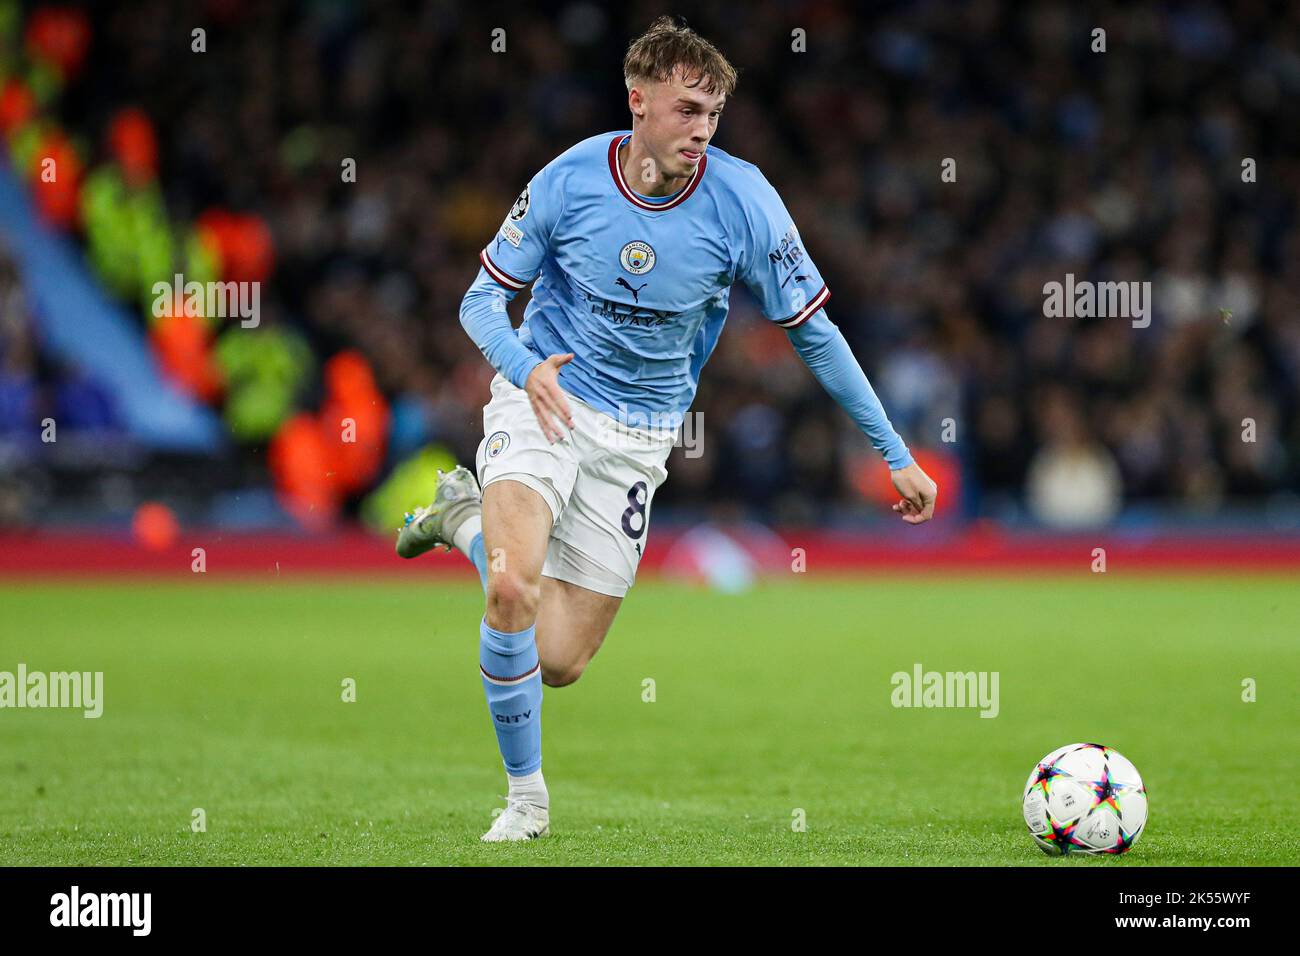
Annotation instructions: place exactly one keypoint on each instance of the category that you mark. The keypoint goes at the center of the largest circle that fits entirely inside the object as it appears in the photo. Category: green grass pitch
(227, 696)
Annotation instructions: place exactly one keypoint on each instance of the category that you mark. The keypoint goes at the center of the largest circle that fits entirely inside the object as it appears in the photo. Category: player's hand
(918, 491)
(548, 400)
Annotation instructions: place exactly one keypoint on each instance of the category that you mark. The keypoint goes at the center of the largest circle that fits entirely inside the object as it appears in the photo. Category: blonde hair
(667, 46)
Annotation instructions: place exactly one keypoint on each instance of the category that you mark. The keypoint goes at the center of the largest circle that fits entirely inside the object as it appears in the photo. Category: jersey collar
(616, 170)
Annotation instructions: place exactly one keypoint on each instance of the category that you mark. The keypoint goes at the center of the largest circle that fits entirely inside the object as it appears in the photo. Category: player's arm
(824, 350)
(790, 289)
(484, 318)
(508, 264)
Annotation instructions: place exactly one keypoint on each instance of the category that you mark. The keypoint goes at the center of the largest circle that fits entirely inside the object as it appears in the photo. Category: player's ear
(636, 102)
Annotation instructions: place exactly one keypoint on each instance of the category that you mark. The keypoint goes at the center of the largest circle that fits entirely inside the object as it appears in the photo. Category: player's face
(678, 123)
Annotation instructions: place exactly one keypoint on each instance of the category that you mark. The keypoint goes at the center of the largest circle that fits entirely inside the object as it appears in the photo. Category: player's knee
(512, 600)
(562, 675)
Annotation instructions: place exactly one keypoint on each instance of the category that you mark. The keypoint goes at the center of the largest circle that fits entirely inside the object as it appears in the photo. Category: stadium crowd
(1122, 165)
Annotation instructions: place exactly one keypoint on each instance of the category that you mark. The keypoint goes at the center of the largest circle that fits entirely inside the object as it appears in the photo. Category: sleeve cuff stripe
(808, 311)
(500, 275)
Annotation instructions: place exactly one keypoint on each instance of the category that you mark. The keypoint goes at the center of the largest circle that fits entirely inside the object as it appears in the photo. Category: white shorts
(598, 482)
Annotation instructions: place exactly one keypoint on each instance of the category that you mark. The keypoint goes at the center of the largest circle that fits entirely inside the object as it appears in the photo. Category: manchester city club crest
(497, 443)
(637, 257)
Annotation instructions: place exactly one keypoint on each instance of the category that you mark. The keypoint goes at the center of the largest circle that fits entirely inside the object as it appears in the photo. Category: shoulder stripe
(808, 311)
(499, 274)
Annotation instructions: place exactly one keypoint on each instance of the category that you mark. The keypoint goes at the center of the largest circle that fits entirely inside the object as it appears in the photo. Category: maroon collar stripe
(616, 170)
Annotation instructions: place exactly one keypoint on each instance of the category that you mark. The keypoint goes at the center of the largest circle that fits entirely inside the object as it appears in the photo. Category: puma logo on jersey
(624, 283)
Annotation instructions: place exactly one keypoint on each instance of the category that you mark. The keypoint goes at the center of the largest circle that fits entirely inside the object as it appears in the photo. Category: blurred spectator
(1073, 482)
(34, 388)
(20, 395)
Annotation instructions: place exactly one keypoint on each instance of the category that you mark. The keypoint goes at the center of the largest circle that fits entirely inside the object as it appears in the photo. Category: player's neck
(641, 172)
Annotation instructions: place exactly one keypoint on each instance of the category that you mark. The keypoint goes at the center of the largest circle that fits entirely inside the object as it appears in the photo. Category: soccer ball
(1085, 798)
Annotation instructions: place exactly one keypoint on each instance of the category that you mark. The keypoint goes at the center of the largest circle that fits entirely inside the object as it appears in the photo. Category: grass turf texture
(227, 696)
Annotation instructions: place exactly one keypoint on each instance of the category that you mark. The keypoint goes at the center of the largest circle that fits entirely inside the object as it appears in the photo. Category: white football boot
(519, 821)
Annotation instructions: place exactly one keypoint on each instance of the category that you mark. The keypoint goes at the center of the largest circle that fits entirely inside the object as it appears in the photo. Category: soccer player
(631, 241)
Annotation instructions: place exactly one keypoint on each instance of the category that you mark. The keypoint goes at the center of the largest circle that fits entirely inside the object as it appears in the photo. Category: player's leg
(516, 526)
(572, 622)
(534, 629)
(526, 481)
(597, 542)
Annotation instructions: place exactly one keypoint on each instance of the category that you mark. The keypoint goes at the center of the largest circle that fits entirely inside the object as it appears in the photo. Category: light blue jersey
(637, 288)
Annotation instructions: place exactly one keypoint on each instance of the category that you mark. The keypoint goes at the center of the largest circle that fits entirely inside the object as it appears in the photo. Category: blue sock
(478, 555)
(512, 680)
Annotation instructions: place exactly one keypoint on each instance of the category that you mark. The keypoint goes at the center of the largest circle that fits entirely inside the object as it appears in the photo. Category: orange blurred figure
(247, 249)
(133, 143)
(301, 466)
(17, 106)
(56, 180)
(354, 421)
(59, 36)
(155, 527)
(182, 345)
